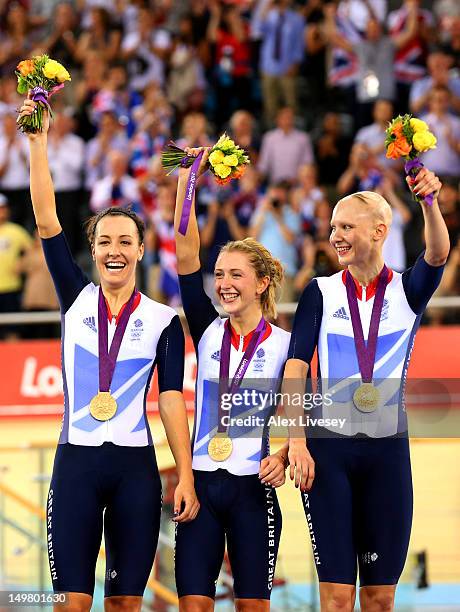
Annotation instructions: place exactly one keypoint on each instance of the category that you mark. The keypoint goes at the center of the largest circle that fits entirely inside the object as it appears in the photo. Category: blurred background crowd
(306, 87)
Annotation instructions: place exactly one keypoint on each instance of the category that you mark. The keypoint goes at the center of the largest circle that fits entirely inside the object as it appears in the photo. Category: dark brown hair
(91, 223)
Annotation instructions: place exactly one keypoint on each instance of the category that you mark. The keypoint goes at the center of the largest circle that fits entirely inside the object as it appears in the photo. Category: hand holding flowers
(225, 160)
(407, 137)
(40, 77)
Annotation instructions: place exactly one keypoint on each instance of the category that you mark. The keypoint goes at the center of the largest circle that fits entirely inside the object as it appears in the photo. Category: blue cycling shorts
(238, 511)
(112, 488)
(359, 510)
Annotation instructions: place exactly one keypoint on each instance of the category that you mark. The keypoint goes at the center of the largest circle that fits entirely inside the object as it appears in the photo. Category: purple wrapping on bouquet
(412, 167)
(38, 94)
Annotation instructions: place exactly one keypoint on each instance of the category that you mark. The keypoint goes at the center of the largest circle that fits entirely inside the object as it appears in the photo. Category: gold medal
(366, 398)
(220, 447)
(103, 406)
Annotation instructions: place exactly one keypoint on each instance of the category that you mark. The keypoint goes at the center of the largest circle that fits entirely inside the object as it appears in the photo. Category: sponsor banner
(31, 381)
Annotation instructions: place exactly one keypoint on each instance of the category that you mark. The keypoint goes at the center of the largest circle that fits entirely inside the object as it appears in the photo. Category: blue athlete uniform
(235, 507)
(359, 510)
(105, 475)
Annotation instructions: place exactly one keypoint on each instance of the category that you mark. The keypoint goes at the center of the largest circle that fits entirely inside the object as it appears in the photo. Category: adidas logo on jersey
(91, 323)
(341, 313)
(216, 356)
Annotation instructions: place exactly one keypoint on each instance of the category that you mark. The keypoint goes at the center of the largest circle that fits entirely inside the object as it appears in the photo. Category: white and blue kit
(359, 510)
(234, 506)
(105, 474)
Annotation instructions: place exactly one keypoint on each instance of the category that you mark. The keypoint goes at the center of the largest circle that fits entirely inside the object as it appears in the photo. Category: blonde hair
(264, 265)
(376, 204)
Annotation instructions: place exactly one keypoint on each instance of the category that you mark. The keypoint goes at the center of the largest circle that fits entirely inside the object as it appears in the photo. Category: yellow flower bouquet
(40, 77)
(407, 137)
(226, 159)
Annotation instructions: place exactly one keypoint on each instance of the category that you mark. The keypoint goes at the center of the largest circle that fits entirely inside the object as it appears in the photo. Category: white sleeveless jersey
(131, 378)
(338, 364)
(250, 440)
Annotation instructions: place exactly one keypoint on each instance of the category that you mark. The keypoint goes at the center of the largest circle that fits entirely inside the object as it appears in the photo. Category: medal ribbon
(240, 370)
(366, 352)
(108, 358)
(189, 193)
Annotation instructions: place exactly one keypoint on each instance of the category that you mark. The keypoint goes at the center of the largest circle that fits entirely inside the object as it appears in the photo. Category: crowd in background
(307, 88)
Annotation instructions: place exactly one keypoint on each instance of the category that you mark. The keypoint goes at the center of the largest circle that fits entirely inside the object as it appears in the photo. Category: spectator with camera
(275, 224)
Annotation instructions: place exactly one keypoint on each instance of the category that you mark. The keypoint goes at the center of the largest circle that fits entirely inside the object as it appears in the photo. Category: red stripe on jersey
(235, 338)
(137, 299)
(371, 287)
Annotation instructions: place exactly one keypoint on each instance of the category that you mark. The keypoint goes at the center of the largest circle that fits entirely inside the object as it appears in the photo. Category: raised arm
(436, 234)
(188, 246)
(41, 184)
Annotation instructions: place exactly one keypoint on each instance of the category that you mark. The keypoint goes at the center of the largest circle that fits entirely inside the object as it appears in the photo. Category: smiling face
(236, 284)
(116, 251)
(358, 229)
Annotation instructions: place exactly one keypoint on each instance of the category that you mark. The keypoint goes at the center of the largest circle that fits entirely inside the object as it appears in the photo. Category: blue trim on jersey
(147, 387)
(401, 404)
(198, 307)
(68, 278)
(420, 282)
(64, 436)
(307, 323)
(170, 357)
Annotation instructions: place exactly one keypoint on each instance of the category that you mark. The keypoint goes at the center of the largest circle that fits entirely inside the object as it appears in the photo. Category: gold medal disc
(366, 398)
(103, 406)
(220, 448)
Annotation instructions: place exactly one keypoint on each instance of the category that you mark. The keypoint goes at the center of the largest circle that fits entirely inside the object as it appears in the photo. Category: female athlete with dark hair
(105, 476)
